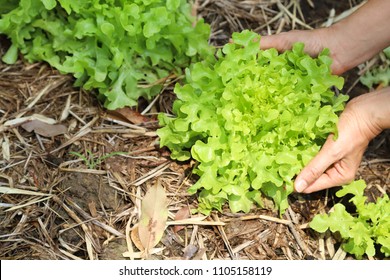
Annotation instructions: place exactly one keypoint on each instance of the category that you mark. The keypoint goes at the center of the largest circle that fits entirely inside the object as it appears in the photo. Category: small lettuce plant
(363, 231)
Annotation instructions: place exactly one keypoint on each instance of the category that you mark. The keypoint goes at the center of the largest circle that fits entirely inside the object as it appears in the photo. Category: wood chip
(339, 255)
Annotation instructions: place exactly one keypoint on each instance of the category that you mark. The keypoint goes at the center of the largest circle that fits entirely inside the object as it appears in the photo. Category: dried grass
(53, 206)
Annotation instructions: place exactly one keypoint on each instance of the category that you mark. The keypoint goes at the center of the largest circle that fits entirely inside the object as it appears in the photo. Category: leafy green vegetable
(371, 225)
(378, 75)
(252, 119)
(124, 49)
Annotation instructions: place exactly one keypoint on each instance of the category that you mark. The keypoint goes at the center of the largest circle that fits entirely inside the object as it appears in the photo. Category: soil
(88, 206)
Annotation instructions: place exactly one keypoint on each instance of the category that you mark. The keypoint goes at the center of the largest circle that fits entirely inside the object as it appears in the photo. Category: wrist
(372, 110)
(347, 49)
(361, 35)
(344, 50)
(382, 112)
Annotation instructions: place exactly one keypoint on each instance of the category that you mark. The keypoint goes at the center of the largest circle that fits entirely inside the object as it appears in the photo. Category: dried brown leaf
(45, 129)
(154, 215)
(136, 240)
(183, 213)
(190, 251)
(129, 115)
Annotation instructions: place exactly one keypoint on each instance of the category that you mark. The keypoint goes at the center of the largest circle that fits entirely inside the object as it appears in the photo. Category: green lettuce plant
(251, 119)
(380, 74)
(123, 49)
(361, 232)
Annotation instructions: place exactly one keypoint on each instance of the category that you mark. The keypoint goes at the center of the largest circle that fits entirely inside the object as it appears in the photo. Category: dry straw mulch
(54, 204)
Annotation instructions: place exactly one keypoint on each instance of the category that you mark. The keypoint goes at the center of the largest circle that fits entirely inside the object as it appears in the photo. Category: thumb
(317, 166)
(278, 41)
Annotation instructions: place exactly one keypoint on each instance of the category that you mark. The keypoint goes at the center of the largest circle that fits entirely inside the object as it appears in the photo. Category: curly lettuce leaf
(379, 74)
(360, 232)
(252, 119)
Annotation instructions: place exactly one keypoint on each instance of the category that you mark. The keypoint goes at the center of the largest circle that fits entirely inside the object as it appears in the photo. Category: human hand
(315, 41)
(351, 41)
(336, 164)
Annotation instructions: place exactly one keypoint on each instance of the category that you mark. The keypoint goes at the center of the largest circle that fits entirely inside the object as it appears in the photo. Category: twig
(330, 20)
(195, 221)
(346, 13)
(282, 7)
(260, 237)
(83, 131)
(262, 217)
(153, 173)
(321, 247)
(126, 124)
(119, 131)
(88, 235)
(112, 185)
(275, 18)
(28, 203)
(200, 255)
(310, 2)
(375, 161)
(330, 246)
(297, 237)
(66, 110)
(45, 90)
(45, 233)
(225, 239)
(340, 254)
(81, 170)
(86, 216)
(140, 151)
(10, 181)
(73, 257)
(77, 117)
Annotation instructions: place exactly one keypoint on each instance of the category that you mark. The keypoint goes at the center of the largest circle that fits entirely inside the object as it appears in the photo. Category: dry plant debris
(57, 205)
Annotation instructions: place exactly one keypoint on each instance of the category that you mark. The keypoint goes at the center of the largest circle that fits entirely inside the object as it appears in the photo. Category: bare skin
(351, 42)
(336, 164)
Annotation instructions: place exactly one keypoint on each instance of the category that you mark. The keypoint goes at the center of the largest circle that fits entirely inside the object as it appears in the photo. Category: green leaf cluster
(252, 119)
(379, 74)
(363, 231)
(122, 48)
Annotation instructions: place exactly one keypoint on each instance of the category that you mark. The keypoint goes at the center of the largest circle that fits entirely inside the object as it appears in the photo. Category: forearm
(363, 34)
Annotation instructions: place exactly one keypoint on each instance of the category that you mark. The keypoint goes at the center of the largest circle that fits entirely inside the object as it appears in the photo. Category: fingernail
(300, 185)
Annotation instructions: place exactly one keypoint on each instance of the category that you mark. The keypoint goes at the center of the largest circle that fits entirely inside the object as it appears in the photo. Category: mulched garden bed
(77, 194)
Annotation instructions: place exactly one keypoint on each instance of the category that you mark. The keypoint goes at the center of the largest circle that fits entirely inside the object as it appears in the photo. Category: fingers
(331, 168)
(317, 167)
(313, 40)
(280, 42)
(337, 175)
